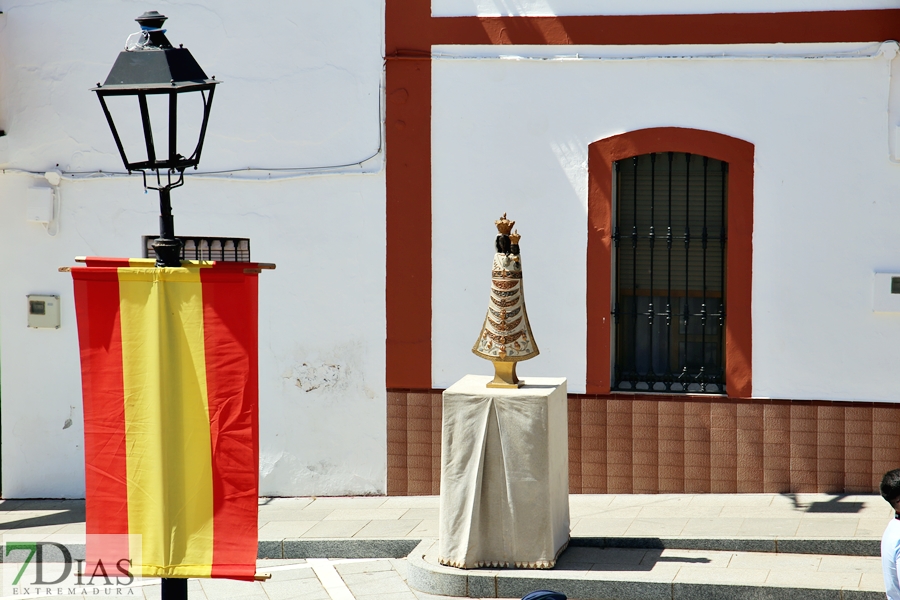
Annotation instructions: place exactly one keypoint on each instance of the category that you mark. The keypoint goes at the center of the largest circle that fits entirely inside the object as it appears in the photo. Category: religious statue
(505, 337)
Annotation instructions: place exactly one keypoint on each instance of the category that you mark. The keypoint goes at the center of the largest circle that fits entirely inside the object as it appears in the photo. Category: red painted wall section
(738, 327)
(408, 184)
(407, 26)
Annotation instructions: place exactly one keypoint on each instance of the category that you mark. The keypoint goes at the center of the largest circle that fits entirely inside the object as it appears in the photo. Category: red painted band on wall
(738, 327)
(744, 28)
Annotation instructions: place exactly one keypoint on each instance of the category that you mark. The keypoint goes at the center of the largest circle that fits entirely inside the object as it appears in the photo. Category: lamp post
(151, 79)
(157, 76)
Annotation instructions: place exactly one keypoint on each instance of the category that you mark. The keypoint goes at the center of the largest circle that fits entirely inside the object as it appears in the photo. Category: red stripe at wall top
(734, 28)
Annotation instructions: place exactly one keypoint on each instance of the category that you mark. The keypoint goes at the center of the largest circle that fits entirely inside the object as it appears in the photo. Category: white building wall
(511, 135)
(301, 93)
(301, 90)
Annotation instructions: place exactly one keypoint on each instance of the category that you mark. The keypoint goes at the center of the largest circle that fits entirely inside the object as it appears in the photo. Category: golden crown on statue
(504, 225)
(515, 237)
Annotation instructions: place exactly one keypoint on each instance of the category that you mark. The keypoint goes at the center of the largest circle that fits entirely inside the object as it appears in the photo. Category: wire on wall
(250, 173)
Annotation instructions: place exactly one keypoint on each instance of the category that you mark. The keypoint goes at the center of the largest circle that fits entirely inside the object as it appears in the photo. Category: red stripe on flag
(230, 330)
(100, 341)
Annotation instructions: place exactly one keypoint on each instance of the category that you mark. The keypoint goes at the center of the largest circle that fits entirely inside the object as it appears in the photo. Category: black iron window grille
(226, 249)
(670, 242)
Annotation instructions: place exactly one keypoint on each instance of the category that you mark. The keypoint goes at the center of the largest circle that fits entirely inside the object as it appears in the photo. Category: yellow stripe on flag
(167, 419)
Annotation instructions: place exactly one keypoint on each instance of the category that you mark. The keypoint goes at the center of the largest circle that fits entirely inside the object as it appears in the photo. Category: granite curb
(832, 546)
(298, 548)
(401, 547)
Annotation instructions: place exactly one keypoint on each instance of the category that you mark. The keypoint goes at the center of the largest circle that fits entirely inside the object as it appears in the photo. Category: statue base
(504, 474)
(505, 376)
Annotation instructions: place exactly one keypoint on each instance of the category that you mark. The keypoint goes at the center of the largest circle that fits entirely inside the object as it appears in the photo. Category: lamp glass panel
(190, 119)
(158, 107)
(126, 115)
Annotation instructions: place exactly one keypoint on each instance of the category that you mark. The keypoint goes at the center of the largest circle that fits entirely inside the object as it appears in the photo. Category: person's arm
(890, 561)
(893, 593)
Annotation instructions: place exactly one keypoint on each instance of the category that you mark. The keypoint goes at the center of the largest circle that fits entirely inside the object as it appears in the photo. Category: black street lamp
(163, 80)
(158, 76)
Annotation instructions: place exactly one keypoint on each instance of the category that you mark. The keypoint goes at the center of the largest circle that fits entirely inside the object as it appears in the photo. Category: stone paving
(772, 516)
(594, 515)
(690, 546)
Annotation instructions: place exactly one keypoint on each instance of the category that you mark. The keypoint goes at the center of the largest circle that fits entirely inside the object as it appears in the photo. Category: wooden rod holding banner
(83, 259)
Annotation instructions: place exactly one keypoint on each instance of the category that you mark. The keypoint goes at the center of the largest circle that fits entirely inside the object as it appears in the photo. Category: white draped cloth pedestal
(504, 474)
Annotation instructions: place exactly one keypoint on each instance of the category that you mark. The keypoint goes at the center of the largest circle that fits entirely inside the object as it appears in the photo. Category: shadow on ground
(619, 559)
(833, 505)
(40, 513)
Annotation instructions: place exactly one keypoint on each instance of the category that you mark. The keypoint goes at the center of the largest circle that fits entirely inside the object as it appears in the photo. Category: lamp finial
(151, 20)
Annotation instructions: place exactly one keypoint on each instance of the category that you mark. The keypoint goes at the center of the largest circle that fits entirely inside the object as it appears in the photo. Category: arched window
(617, 362)
(669, 237)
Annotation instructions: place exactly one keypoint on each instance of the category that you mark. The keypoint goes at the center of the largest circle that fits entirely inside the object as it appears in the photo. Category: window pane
(670, 237)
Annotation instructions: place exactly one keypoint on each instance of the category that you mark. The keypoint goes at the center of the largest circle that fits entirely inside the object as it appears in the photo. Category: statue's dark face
(503, 244)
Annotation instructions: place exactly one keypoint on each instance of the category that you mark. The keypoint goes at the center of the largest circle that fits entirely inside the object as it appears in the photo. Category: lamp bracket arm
(168, 185)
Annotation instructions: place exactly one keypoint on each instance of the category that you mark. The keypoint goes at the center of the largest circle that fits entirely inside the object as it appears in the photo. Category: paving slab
(599, 527)
(388, 529)
(281, 529)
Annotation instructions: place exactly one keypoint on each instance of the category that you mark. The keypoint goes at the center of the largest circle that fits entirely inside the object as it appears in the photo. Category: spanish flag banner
(169, 378)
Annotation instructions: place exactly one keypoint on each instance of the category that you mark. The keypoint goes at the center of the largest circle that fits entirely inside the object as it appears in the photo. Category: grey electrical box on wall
(43, 311)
